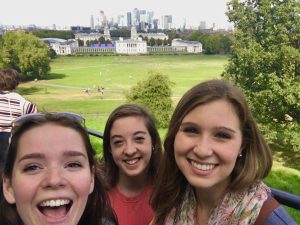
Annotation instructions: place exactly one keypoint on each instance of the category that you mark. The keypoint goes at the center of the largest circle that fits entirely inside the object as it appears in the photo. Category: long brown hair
(254, 165)
(97, 209)
(127, 110)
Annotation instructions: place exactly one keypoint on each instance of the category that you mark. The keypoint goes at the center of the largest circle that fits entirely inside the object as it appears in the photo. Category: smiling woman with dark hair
(214, 162)
(50, 174)
(132, 150)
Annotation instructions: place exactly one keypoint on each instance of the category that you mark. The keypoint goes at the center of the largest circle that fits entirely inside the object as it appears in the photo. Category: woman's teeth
(131, 162)
(55, 203)
(202, 166)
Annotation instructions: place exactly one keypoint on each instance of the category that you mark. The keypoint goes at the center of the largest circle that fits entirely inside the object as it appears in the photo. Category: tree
(54, 34)
(165, 42)
(154, 93)
(152, 41)
(80, 43)
(159, 42)
(172, 34)
(26, 53)
(265, 63)
(100, 40)
(213, 43)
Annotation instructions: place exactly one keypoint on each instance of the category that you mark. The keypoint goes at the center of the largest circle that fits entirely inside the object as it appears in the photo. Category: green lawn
(63, 89)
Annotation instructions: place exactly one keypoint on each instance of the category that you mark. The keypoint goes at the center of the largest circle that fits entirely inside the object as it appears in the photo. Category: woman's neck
(131, 186)
(207, 201)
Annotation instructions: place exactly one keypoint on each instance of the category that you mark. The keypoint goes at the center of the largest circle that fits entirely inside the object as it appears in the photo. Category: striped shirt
(13, 105)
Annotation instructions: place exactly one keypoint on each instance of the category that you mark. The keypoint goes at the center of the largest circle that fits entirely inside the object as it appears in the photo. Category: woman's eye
(117, 143)
(192, 130)
(140, 139)
(223, 135)
(74, 165)
(31, 168)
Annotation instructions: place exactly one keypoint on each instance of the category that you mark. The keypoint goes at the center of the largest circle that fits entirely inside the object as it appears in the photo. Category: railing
(284, 198)
(95, 133)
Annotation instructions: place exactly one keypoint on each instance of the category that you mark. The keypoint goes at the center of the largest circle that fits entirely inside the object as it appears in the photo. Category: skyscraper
(121, 21)
(135, 17)
(92, 22)
(129, 20)
(167, 22)
(150, 15)
(102, 19)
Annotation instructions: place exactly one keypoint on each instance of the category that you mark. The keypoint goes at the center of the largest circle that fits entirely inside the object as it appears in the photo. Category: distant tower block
(92, 23)
(106, 33)
(134, 35)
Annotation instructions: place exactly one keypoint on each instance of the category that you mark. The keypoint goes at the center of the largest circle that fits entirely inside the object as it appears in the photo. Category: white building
(88, 37)
(93, 36)
(61, 46)
(131, 46)
(191, 46)
(155, 36)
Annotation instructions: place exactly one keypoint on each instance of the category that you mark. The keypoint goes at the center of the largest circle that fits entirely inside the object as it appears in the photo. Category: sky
(73, 13)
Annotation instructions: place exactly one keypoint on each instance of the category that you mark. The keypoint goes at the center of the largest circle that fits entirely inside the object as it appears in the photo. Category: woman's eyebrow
(32, 156)
(74, 153)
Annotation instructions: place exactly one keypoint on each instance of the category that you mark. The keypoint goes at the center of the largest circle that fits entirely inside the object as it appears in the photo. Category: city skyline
(66, 13)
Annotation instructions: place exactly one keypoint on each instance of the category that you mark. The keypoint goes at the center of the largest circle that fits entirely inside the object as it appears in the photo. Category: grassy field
(64, 89)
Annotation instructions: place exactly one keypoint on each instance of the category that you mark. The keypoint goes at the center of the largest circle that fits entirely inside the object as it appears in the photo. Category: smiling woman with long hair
(50, 175)
(132, 150)
(214, 161)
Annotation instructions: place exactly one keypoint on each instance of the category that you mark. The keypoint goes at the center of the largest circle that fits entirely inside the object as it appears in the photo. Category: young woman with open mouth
(49, 176)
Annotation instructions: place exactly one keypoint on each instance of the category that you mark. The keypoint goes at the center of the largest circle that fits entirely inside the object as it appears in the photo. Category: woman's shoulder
(279, 216)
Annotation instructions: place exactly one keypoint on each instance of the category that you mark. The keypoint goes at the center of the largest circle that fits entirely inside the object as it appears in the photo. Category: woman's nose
(130, 148)
(54, 178)
(203, 147)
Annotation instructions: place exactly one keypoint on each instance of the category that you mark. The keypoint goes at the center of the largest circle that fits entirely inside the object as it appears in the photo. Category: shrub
(154, 94)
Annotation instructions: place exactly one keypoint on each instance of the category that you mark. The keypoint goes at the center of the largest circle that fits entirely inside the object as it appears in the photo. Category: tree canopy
(265, 63)
(54, 34)
(25, 53)
(154, 93)
(213, 43)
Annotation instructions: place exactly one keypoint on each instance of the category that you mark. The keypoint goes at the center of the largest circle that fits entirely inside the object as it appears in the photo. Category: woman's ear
(93, 179)
(8, 191)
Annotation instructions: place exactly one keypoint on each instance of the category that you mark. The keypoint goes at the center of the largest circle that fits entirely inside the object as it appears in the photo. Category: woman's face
(207, 145)
(131, 146)
(51, 178)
